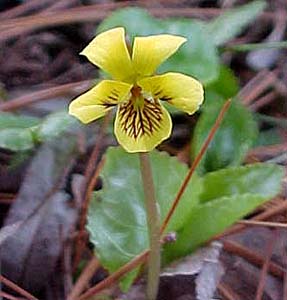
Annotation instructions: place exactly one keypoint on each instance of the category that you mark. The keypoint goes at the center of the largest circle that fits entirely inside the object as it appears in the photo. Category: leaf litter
(46, 216)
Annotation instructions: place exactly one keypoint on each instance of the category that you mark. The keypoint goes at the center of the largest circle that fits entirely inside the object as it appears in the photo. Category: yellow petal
(141, 129)
(99, 100)
(149, 52)
(108, 51)
(184, 92)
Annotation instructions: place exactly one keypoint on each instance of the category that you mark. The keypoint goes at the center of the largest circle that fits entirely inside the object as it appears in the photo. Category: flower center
(136, 91)
(140, 116)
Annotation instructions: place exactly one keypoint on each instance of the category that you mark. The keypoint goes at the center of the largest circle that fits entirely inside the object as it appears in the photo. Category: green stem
(257, 46)
(153, 222)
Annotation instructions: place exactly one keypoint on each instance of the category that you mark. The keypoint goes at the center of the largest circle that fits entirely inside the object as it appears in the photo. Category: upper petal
(99, 100)
(184, 92)
(108, 50)
(149, 52)
(141, 129)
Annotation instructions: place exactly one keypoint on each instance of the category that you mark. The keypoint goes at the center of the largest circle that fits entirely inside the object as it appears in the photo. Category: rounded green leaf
(117, 218)
(261, 178)
(8, 120)
(198, 57)
(16, 139)
(226, 85)
(232, 140)
(55, 124)
(227, 196)
(136, 21)
(208, 220)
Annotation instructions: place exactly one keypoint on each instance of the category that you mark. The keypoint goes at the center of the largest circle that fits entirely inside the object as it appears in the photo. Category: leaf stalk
(153, 222)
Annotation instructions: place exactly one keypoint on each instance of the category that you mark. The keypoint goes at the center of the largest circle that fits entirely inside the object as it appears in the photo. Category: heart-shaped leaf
(117, 218)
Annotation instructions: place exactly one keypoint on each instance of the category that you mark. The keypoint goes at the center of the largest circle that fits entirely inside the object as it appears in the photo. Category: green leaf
(226, 85)
(117, 219)
(8, 120)
(210, 219)
(198, 57)
(19, 133)
(261, 179)
(16, 139)
(231, 23)
(232, 140)
(137, 22)
(54, 125)
(234, 193)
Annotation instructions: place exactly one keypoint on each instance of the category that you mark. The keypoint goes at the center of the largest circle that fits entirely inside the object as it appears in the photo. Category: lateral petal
(99, 100)
(109, 51)
(182, 91)
(149, 52)
(141, 129)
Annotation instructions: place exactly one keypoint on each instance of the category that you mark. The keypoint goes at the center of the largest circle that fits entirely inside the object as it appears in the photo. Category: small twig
(90, 182)
(7, 198)
(23, 8)
(252, 257)
(81, 241)
(49, 93)
(16, 288)
(226, 292)
(80, 14)
(260, 217)
(257, 87)
(271, 150)
(195, 164)
(6, 201)
(265, 224)
(7, 296)
(264, 271)
(84, 278)
(268, 98)
(96, 151)
(97, 12)
(115, 276)
(251, 84)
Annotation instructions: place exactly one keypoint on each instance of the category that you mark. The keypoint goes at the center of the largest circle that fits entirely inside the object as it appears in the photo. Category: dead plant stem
(16, 288)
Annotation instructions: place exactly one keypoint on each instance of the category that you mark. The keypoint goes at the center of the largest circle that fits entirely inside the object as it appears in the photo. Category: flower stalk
(153, 222)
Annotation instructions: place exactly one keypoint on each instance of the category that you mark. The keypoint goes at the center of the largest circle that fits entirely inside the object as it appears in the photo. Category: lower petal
(179, 90)
(142, 129)
(99, 100)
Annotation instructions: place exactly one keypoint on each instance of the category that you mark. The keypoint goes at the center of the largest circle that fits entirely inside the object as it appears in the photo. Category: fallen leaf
(29, 256)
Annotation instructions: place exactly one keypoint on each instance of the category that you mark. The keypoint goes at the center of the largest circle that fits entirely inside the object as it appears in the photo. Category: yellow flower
(141, 121)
